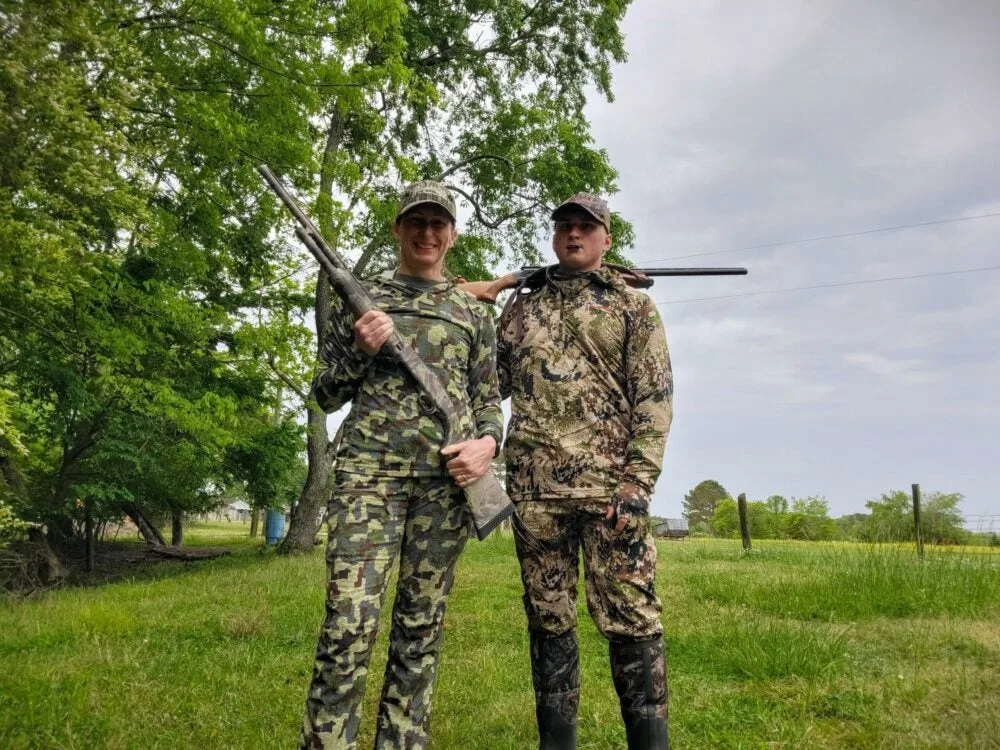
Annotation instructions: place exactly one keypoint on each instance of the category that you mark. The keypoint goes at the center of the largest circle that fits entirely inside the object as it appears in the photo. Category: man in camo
(393, 495)
(584, 358)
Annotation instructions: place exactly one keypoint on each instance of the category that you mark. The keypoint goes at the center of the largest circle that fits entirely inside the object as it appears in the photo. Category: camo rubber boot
(639, 670)
(555, 671)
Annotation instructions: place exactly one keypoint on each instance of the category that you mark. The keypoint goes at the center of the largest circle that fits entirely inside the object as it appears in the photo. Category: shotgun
(486, 497)
(639, 278)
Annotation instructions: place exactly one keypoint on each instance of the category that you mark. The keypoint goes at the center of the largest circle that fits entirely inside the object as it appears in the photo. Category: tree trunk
(304, 520)
(50, 570)
(8, 469)
(88, 532)
(254, 522)
(150, 533)
(177, 529)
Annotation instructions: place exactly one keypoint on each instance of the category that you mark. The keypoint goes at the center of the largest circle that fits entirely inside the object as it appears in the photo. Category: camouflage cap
(594, 205)
(427, 191)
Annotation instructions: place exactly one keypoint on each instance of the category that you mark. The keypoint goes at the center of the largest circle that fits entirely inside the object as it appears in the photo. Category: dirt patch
(114, 561)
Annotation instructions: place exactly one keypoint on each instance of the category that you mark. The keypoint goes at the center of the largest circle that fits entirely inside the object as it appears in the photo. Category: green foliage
(807, 519)
(852, 525)
(266, 460)
(11, 527)
(891, 518)
(726, 519)
(942, 519)
(761, 522)
(701, 502)
(133, 238)
(777, 504)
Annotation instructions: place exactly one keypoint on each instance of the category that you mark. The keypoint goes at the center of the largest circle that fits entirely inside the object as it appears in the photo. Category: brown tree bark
(50, 570)
(176, 529)
(150, 534)
(304, 521)
(89, 537)
(254, 522)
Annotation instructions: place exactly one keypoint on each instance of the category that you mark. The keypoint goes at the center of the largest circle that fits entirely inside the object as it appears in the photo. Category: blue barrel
(274, 526)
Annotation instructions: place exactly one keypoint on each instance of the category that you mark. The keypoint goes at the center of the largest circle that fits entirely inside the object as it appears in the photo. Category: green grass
(794, 646)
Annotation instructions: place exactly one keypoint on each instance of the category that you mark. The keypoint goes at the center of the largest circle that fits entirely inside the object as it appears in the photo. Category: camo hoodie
(584, 360)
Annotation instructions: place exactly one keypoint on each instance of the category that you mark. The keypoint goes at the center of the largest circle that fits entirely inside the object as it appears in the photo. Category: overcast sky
(741, 123)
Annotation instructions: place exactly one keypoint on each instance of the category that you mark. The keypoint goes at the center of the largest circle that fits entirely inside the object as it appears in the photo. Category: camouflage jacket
(388, 432)
(586, 365)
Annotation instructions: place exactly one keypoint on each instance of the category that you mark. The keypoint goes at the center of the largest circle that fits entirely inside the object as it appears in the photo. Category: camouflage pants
(619, 570)
(425, 522)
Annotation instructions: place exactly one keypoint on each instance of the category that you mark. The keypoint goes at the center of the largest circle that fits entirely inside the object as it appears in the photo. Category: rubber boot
(555, 670)
(639, 670)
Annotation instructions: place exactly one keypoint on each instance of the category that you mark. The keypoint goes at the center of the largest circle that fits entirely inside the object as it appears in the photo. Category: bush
(12, 528)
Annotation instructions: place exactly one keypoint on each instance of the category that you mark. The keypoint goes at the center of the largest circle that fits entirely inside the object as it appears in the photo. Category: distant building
(237, 510)
(670, 528)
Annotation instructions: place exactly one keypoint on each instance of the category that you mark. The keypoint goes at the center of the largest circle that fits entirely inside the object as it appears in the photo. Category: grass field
(793, 646)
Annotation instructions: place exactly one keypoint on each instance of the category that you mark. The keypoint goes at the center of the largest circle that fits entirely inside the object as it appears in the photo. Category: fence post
(918, 521)
(741, 502)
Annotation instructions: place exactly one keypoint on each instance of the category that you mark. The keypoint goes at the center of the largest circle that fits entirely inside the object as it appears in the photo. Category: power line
(830, 286)
(826, 237)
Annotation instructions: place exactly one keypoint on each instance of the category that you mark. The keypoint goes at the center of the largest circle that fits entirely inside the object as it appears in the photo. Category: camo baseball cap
(594, 205)
(427, 191)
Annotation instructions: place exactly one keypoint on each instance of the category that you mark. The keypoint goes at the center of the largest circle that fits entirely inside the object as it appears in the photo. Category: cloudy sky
(739, 124)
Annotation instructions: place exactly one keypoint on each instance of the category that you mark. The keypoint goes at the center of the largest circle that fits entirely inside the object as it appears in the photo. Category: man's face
(580, 240)
(424, 233)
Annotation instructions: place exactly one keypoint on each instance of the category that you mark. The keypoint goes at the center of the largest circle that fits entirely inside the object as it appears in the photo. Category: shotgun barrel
(672, 271)
(640, 278)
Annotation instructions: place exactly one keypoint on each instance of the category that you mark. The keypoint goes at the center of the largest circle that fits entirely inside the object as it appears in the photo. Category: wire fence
(983, 523)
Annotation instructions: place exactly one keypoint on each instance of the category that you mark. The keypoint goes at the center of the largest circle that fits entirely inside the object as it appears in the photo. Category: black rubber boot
(639, 670)
(555, 670)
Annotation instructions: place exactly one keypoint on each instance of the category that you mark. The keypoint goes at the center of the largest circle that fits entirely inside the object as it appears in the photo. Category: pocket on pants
(360, 524)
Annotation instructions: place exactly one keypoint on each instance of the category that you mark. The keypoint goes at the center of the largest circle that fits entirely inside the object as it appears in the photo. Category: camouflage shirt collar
(573, 283)
(413, 284)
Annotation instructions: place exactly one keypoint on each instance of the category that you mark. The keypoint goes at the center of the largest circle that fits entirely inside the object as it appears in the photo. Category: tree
(132, 235)
(777, 504)
(762, 521)
(488, 97)
(267, 462)
(852, 525)
(891, 518)
(808, 519)
(942, 519)
(700, 503)
(725, 518)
